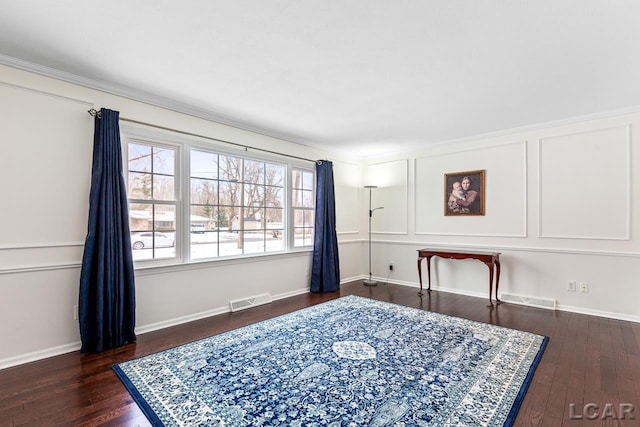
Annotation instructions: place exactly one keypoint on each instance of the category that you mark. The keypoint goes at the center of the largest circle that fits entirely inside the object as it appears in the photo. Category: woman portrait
(464, 193)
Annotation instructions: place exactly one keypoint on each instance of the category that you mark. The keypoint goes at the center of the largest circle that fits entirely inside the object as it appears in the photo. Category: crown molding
(190, 110)
(151, 99)
(417, 149)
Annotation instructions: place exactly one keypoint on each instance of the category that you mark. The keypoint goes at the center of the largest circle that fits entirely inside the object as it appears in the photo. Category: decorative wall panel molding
(392, 193)
(44, 204)
(585, 185)
(506, 192)
(348, 181)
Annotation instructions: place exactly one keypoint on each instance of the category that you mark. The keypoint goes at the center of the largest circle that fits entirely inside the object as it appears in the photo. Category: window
(237, 205)
(223, 204)
(152, 200)
(303, 201)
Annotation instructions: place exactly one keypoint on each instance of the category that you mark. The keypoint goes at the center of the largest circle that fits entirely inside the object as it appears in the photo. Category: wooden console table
(490, 259)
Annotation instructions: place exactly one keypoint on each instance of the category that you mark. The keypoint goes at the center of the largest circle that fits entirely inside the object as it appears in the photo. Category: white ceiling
(364, 76)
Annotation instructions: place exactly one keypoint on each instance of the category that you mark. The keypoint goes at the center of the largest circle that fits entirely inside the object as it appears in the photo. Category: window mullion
(172, 185)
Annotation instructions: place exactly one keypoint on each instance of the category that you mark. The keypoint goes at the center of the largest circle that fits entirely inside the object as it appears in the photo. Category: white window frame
(176, 202)
(241, 206)
(302, 208)
(183, 146)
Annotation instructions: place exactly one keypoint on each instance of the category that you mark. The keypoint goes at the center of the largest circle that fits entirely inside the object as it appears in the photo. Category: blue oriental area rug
(348, 362)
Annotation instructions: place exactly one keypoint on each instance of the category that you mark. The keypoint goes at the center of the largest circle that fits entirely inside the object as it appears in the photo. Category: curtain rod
(95, 113)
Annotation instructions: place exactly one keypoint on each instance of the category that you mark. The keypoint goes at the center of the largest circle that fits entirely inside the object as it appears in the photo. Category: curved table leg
(497, 280)
(420, 274)
(490, 265)
(429, 273)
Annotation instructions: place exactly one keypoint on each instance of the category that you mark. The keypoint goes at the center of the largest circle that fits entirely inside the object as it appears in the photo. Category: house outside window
(151, 187)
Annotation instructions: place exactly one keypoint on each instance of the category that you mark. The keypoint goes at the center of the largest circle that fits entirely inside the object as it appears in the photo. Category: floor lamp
(370, 281)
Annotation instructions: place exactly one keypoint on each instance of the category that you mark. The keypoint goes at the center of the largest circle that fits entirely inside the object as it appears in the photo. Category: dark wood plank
(588, 359)
(576, 378)
(537, 407)
(626, 380)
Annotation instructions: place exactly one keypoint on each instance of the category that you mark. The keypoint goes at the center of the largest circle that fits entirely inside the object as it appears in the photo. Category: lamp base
(368, 282)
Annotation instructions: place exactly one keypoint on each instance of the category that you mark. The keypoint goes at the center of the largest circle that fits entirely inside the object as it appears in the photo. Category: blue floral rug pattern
(348, 362)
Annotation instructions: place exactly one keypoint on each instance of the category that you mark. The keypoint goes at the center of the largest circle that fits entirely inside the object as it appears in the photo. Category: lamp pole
(370, 281)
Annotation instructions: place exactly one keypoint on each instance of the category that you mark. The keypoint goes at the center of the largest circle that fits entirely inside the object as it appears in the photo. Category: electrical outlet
(571, 286)
(75, 312)
(584, 287)
(391, 266)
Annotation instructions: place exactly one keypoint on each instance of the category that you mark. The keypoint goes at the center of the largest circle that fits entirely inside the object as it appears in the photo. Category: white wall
(45, 165)
(561, 205)
(348, 183)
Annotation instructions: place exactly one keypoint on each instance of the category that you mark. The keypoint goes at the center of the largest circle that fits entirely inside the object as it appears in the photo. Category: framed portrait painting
(464, 193)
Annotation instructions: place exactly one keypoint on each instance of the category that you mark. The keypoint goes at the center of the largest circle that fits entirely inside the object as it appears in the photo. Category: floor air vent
(531, 301)
(244, 303)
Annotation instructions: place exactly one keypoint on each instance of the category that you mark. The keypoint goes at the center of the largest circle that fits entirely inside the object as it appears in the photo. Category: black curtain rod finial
(94, 113)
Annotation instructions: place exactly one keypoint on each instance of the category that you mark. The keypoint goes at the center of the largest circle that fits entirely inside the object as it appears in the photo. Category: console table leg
(497, 281)
(490, 265)
(420, 274)
(429, 273)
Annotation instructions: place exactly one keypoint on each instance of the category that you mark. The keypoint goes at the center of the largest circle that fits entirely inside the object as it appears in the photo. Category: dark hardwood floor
(589, 361)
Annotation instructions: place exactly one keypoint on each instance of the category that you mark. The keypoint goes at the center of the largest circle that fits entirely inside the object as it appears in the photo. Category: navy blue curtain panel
(325, 269)
(107, 304)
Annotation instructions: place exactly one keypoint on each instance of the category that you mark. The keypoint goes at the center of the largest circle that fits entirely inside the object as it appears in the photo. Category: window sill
(144, 270)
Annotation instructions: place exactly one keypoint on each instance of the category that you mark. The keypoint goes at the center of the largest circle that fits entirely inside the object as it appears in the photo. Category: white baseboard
(204, 314)
(559, 307)
(291, 294)
(352, 279)
(180, 320)
(39, 355)
(75, 346)
(599, 313)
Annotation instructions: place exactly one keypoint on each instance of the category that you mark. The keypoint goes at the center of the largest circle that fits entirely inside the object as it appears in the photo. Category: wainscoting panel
(347, 180)
(505, 192)
(47, 146)
(392, 193)
(585, 185)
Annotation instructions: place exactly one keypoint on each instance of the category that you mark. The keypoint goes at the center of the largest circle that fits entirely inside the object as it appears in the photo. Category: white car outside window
(148, 239)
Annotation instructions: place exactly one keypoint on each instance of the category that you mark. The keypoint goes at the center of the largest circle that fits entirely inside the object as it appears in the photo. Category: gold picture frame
(461, 201)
